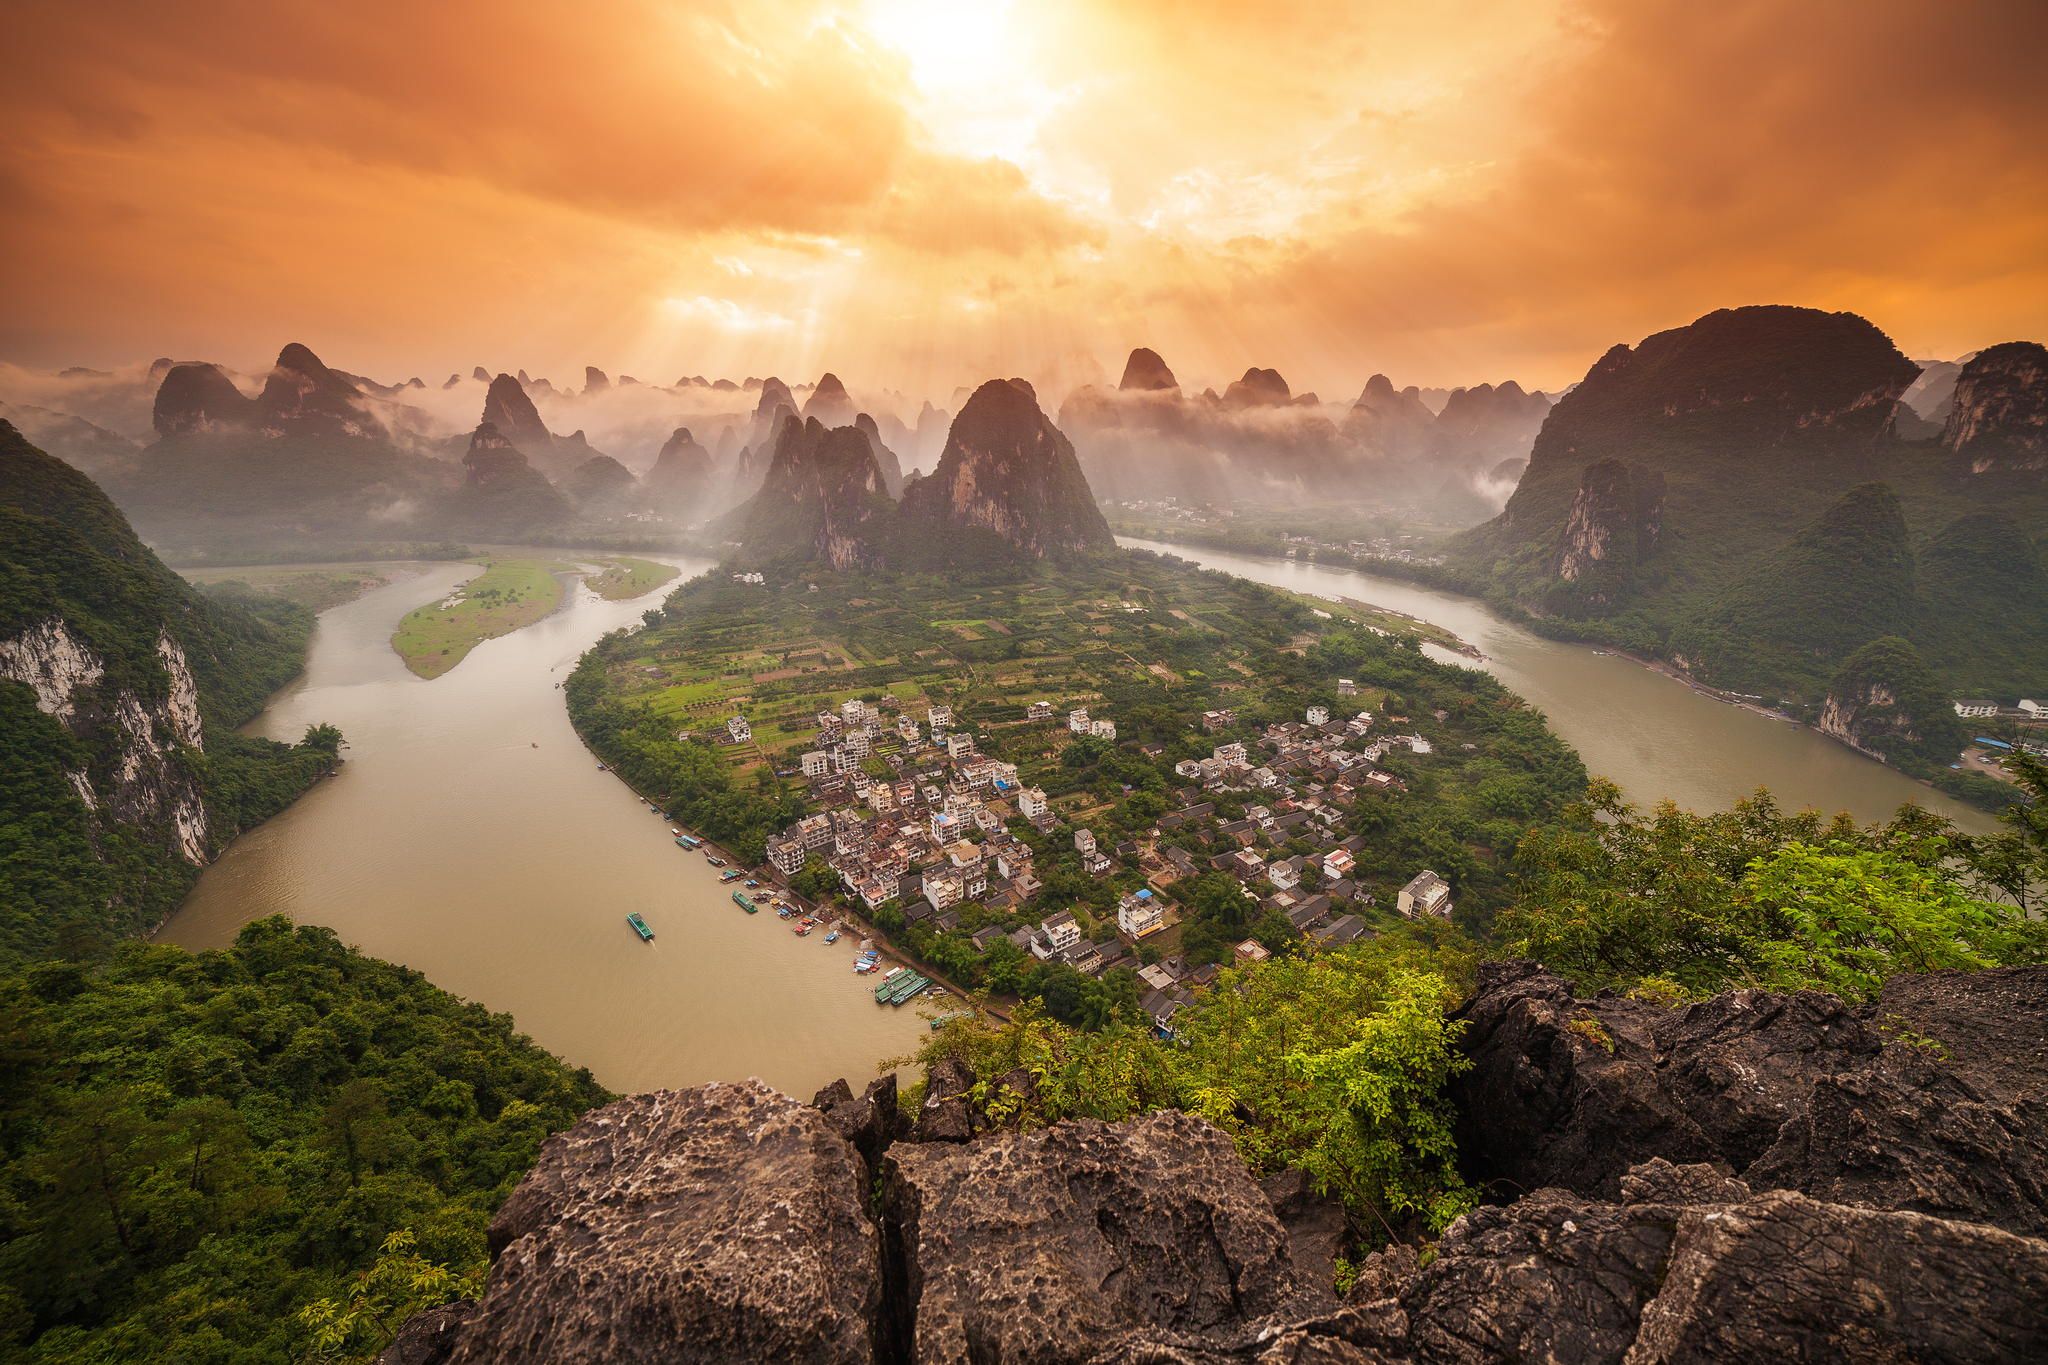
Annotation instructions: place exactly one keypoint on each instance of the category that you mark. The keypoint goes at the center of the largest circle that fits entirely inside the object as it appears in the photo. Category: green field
(509, 595)
(624, 579)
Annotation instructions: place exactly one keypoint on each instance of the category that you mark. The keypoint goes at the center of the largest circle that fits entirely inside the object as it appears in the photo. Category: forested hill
(120, 689)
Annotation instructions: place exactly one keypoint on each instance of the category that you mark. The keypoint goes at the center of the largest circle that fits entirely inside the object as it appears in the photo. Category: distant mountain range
(1148, 439)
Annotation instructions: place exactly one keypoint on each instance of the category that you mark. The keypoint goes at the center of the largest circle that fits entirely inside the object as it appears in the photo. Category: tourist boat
(901, 988)
(685, 841)
(804, 927)
(752, 882)
(716, 861)
(728, 876)
(832, 934)
(640, 927)
(743, 901)
(939, 1021)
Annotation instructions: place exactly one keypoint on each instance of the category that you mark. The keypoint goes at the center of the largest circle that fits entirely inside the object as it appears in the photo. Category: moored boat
(743, 901)
(728, 876)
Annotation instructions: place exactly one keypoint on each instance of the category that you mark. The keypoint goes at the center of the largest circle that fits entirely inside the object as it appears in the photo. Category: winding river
(1651, 734)
(470, 835)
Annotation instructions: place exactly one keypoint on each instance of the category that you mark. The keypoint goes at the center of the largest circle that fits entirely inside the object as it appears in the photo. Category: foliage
(1754, 896)
(198, 1146)
(398, 1284)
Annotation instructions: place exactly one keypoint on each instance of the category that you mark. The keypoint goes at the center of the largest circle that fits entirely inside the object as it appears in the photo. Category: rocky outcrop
(1146, 372)
(199, 399)
(724, 1223)
(1999, 417)
(502, 493)
(510, 413)
(302, 397)
(679, 484)
(885, 458)
(1753, 1177)
(137, 776)
(1008, 481)
(823, 497)
(1688, 1265)
(1613, 526)
(1081, 1239)
(595, 381)
(1886, 702)
(1257, 389)
(1800, 1091)
(829, 403)
(601, 485)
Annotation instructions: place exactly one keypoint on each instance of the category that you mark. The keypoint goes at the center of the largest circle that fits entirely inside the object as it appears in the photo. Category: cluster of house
(926, 825)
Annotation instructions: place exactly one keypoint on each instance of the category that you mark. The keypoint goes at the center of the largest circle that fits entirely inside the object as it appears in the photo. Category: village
(921, 829)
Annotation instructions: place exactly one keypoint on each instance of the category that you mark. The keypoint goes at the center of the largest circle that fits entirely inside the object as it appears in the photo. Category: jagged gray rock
(722, 1223)
(1053, 1245)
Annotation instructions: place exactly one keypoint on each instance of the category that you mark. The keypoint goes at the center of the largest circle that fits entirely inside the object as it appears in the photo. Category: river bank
(1622, 713)
(470, 836)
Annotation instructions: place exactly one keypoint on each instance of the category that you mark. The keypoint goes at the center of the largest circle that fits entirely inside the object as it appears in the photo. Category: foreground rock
(1934, 1098)
(1692, 1266)
(1058, 1244)
(722, 1223)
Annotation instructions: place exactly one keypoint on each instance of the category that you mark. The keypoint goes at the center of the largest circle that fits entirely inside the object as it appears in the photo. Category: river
(471, 836)
(1651, 734)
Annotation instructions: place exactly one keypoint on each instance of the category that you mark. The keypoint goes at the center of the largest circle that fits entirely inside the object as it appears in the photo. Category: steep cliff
(1999, 419)
(120, 686)
(1007, 484)
(502, 494)
(1613, 526)
(885, 458)
(1714, 1182)
(1885, 701)
(823, 497)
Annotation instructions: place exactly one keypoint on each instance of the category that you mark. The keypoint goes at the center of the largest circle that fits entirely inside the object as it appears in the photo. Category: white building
(1232, 752)
(1077, 720)
(1425, 894)
(1974, 708)
(1084, 842)
(1318, 715)
(1102, 729)
(939, 717)
(959, 746)
(1032, 803)
(856, 743)
(1139, 914)
(816, 763)
(740, 731)
(1346, 687)
(853, 711)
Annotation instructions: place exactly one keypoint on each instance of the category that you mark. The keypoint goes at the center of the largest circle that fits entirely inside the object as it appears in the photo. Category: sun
(974, 83)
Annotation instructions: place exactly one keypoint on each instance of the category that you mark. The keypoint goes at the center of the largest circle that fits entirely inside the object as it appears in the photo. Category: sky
(921, 195)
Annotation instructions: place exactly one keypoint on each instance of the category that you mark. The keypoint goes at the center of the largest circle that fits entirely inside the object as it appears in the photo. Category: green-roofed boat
(640, 927)
(744, 902)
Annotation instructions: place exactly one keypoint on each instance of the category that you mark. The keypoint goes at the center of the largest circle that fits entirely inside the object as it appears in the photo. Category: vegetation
(72, 876)
(316, 588)
(626, 578)
(509, 595)
(197, 1147)
(1146, 641)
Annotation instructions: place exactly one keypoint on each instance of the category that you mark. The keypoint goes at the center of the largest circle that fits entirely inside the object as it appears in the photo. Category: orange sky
(924, 194)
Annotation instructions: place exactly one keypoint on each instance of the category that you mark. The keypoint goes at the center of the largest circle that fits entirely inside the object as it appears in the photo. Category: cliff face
(1713, 1182)
(823, 497)
(1613, 526)
(1887, 703)
(197, 398)
(1009, 476)
(1999, 419)
(510, 413)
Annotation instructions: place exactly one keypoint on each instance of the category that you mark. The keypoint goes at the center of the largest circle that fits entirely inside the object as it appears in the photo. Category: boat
(640, 927)
(744, 901)
(601, 768)
(939, 1021)
(752, 882)
(832, 934)
(783, 912)
(901, 988)
(728, 876)
(689, 841)
(715, 860)
(804, 927)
